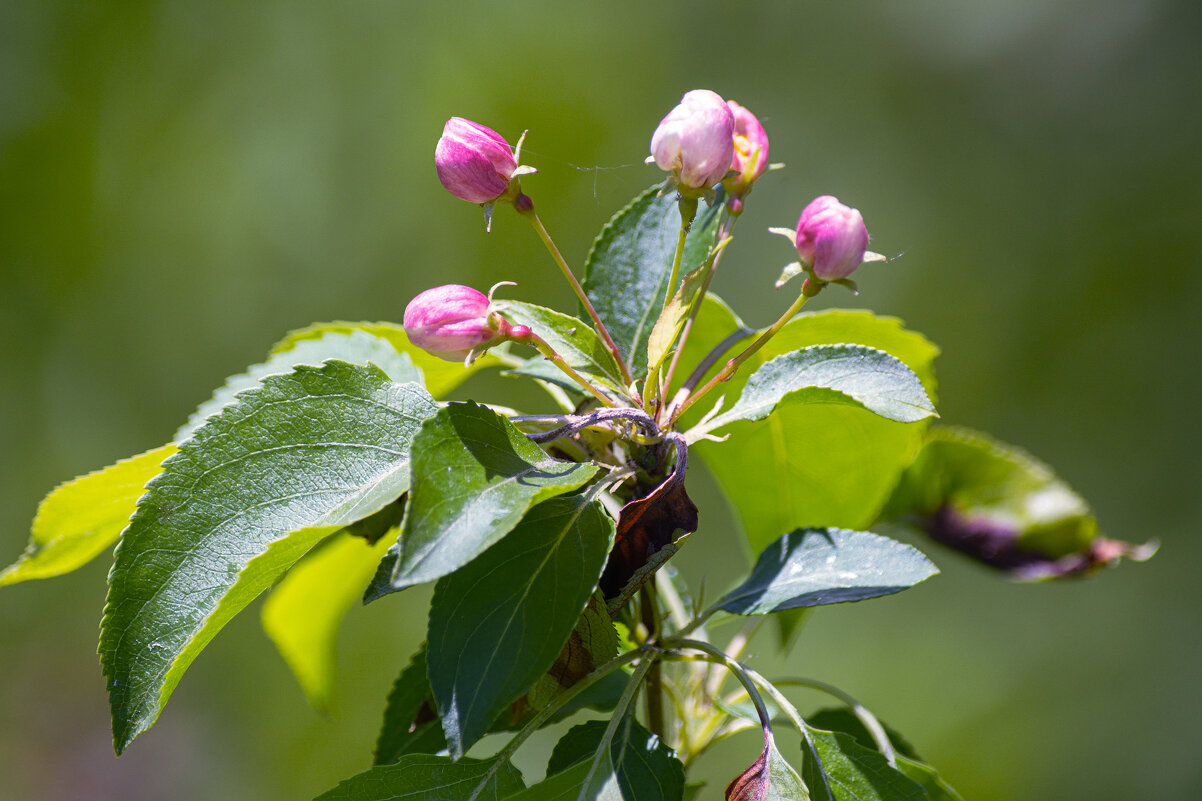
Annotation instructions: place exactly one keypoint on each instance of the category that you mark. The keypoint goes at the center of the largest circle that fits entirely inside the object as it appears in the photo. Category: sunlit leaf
(304, 611)
(82, 518)
(245, 497)
(474, 477)
(571, 338)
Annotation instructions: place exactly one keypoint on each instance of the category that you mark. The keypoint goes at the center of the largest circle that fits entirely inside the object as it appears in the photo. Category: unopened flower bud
(474, 162)
(750, 157)
(831, 239)
(451, 321)
(695, 142)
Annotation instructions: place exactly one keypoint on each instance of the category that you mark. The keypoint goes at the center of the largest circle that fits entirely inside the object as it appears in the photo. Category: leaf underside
(816, 566)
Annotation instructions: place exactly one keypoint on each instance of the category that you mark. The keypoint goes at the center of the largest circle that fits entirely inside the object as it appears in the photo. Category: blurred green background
(183, 182)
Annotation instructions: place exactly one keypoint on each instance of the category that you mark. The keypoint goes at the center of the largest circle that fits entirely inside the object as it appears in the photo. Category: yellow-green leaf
(80, 519)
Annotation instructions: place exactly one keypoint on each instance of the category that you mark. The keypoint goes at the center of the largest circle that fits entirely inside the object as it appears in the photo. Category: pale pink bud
(695, 141)
(750, 145)
(450, 321)
(831, 238)
(474, 162)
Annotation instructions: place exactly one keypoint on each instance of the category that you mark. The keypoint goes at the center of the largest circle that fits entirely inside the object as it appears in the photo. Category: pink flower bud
(695, 141)
(750, 146)
(831, 238)
(450, 321)
(474, 162)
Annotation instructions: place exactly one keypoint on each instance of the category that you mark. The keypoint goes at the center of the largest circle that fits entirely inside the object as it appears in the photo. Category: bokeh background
(183, 182)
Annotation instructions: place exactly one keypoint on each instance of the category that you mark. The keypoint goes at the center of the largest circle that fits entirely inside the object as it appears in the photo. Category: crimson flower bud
(695, 142)
(750, 149)
(831, 238)
(474, 162)
(451, 321)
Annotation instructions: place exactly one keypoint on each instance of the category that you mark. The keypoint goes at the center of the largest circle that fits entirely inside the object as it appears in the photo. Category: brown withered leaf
(645, 526)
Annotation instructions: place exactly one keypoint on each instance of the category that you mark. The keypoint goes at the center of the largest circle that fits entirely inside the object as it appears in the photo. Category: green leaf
(421, 777)
(304, 611)
(849, 374)
(928, 779)
(497, 624)
(82, 518)
(474, 477)
(409, 695)
(626, 273)
(843, 720)
(837, 768)
(636, 766)
(816, 566)
(246, 496)
(440, 375)
(769, 778)
(809, 464)
(573, 339)
(1003, 507)
(354, 346)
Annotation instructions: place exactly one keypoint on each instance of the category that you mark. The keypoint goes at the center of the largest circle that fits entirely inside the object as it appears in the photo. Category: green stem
(624, 703)
(874, 727)
(716, 257)
(557, 703)
(553, 357)
(527, 210)
(688, 211)
(655, 677)
(737, 669)
(807, 292)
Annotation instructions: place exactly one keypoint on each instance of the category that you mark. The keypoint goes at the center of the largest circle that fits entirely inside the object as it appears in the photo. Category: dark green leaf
(80, 519)
(769, 778)
(409, 695)
(421, 777)
(572, 339)
(627, 271)
(305, 609)
(848, 374)
(844, 721)
(637, 766)
(474, 477)
(839, 769)
(497, 625)
(439, 375)
(246, 496)
(815, 566)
